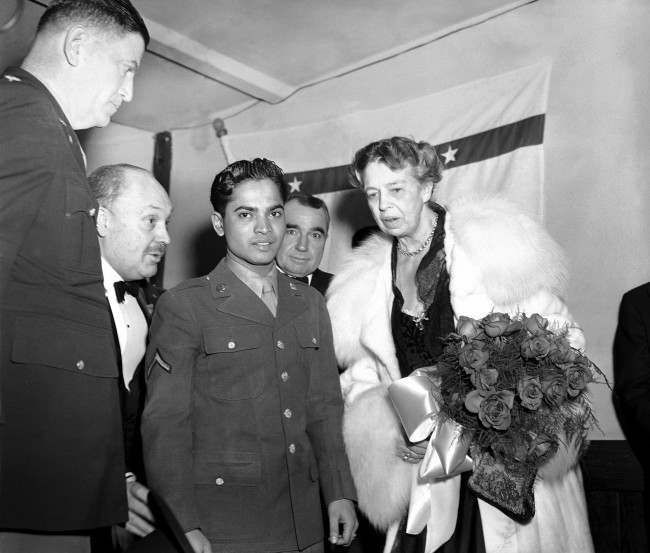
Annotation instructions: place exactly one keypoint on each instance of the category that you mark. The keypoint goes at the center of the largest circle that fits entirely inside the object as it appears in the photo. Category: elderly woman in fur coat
(390, 304)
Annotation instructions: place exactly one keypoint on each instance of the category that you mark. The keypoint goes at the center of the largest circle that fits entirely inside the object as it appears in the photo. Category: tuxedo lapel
(321, 280)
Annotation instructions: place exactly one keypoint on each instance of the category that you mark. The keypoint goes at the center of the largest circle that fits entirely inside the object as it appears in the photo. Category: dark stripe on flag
(463, 151)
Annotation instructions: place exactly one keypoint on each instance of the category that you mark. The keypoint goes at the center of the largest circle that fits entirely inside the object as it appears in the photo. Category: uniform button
(81, 365)
(219, 481)
(287, 413)
(231, 345)
(280, 344)
(292, 448)
(314, 340)
(284, 376)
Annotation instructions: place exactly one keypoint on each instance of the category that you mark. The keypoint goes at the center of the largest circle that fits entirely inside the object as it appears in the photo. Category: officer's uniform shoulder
(16, 93)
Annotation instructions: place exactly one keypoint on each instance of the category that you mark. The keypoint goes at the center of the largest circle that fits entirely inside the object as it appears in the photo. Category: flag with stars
(489, 134)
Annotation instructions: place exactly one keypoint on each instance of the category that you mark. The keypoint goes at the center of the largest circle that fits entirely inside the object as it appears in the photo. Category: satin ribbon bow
(435, 490)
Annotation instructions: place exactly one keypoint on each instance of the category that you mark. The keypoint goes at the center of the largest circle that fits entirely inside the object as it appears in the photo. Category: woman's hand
(412, 452)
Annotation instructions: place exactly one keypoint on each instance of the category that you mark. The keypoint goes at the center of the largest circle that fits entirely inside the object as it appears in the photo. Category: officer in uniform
(242, 423)
(61, 451)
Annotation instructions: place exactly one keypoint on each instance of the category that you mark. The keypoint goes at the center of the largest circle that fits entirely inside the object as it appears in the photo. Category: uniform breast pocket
(80, 250)
(234, 368)
(308, 339)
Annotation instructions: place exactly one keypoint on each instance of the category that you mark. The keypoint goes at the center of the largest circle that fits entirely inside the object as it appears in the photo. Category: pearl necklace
(424, 244)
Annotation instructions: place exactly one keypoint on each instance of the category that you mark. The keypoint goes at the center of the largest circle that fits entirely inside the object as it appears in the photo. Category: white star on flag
(294, 185)
(450, 154)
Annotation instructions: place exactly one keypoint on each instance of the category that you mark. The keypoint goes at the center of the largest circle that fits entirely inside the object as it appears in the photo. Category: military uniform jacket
(61, 446)
(242, 420)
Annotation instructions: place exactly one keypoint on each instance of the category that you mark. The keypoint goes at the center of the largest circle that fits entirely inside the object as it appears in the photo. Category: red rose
(473, 356)
(493, 408)
(530, 392)
(562, 354)
(535, 347)
(484, 378)
(496, 324)
(467, 327)
(535, 324)
(555, 390)
(578, 376)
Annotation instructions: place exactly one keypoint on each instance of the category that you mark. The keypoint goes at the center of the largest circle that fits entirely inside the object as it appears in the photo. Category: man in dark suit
(61, 452)
(243, 414)
(631, 394)
(307, 223)
(132, 218)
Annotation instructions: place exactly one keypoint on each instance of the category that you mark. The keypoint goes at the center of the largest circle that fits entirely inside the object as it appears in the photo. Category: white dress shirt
(130, 324)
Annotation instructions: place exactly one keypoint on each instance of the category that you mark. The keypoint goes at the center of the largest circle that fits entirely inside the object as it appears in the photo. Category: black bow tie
(121, 288)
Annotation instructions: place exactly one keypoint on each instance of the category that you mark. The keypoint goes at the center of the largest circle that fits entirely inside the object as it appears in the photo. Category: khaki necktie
(269, 297)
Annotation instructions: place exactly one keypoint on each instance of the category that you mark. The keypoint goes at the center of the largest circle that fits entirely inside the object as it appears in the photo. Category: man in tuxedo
(307, 223)
(131, 221)
(61, 443)
(242, 422)
(631, 395)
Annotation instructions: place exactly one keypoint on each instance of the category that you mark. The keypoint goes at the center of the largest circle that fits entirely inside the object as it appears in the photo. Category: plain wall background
(596, 142)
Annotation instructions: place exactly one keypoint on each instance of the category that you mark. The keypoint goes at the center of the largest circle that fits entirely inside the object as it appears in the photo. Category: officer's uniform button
(81, 365)
(221, 287)
(219, 481)
(292, 448)
(284, 376)
(314, 340)
(280, 344)
(287, 413)
(231, 345)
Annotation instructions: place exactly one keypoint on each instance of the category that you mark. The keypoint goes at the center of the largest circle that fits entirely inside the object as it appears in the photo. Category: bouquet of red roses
(517, 389)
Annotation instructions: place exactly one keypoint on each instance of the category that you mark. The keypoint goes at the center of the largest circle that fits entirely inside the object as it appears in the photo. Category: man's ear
(76, 38)
(102, 221)
(217, 223)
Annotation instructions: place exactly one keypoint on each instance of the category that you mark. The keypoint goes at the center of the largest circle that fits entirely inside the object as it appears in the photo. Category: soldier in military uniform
(242, 423)
(61, 452)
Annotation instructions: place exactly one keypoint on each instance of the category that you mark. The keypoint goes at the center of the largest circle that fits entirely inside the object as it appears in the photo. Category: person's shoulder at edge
(638, 292)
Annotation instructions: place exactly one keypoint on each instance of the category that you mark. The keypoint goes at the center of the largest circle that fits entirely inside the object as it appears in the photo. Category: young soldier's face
(253, 223)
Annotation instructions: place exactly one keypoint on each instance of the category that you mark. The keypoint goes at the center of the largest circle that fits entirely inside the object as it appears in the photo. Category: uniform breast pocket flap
(234, 365)
(308, 335)
(229, 469)
(68, 345)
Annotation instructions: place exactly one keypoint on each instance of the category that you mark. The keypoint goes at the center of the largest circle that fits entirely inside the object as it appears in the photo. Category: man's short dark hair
(111, 15)
(307, 200)
(257, 169)
(106, 182)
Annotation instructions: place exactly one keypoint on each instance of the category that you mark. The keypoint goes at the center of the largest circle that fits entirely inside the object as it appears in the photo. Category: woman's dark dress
(419, 344)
